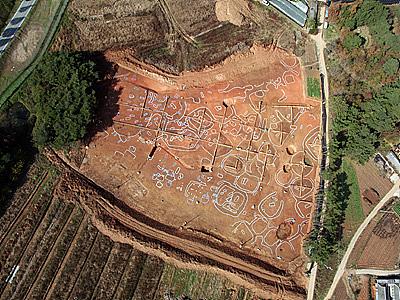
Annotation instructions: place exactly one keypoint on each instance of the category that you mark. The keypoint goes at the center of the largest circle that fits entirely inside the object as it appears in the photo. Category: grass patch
(396, 208)
(48, 13)
(354, 212)
(331, 33)
(313, 87)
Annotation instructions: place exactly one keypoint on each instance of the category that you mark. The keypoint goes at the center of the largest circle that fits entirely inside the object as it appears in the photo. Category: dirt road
(376, 272)
(358, 233)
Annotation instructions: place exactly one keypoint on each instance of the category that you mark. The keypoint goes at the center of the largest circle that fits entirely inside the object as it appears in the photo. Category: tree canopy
(60, 94)
(391, 66)
(358, 127)
(352, 41)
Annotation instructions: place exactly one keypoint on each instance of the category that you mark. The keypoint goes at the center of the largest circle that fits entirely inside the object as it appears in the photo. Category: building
(387, 289)
(294, 10)
(393, 161)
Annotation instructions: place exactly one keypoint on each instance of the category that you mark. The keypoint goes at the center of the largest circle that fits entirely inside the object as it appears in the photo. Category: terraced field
(49, 249)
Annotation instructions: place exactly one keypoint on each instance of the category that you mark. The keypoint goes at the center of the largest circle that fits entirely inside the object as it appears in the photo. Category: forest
(363, 65)
(54, 107)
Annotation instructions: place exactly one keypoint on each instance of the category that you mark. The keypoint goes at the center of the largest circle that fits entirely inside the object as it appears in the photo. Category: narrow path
(320, 199)
(343, 263)
(376, 272)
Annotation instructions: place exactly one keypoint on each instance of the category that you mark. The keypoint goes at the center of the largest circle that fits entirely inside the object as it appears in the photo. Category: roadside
(320, 199)
(21, 57)
(343, 263)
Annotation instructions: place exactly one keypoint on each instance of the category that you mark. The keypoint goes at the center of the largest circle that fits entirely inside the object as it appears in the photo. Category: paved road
(343, 263)
(15, 23)
(311, 282)
(376, 272)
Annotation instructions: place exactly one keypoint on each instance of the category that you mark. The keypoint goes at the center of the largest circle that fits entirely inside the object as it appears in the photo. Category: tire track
(174, 24)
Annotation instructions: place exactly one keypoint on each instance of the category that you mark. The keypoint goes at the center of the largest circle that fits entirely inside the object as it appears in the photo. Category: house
(294, 10)
(387, 289)
(393, 161)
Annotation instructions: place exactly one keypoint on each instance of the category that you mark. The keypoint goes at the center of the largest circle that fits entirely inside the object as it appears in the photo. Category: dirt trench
(185, 249)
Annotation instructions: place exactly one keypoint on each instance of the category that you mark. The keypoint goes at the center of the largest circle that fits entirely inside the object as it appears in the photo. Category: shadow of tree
(107, 94)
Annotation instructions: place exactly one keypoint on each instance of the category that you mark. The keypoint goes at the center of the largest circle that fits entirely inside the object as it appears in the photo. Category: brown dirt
(370, 178)
(371, 196)
(26, 44)
(226, 10)
(176, 35)
(168, 146)
(178, 246)
(364, 285)
(340, 291)
(382, 233)
(195, 166)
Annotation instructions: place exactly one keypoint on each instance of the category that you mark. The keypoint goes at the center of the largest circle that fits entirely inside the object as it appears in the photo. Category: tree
(352, 41)
(391, 66)
(60, 94)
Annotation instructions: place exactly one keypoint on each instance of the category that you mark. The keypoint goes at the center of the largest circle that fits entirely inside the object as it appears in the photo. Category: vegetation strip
(39, 271)
(24, 209)
(82, 266)
(12, 88)
(36, 224)
(44, 285)
(50, 288)
(43, 250)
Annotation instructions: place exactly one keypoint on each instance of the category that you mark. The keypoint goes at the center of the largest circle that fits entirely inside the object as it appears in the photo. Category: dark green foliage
(352, 41)
(375, 15)
(61, 97)
(5, 9)
(323, 245)
(358, 127)
(391, 66)
(15, 149)
(347, 19)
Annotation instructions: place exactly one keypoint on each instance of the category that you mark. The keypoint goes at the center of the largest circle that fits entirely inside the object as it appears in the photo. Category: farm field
(382, 233)
(369, 178)
(52, 250)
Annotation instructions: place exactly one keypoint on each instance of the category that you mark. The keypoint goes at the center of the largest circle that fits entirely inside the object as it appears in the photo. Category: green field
(313, 87)
(396, 208)
(354, 211)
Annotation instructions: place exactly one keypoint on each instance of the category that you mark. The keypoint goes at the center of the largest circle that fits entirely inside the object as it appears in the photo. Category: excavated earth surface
(176, 35)
(217, 167)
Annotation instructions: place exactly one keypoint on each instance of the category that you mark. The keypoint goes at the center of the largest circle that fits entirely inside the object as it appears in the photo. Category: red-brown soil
(220, 164)
(369, 178)
(379, 245)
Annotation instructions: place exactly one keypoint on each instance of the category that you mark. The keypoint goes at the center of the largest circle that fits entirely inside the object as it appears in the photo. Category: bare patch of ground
(176, 35)
(26, 44)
